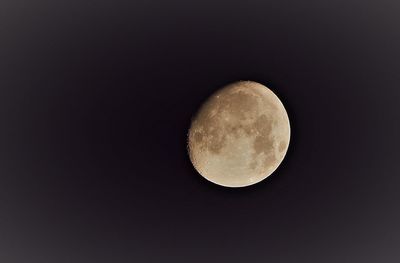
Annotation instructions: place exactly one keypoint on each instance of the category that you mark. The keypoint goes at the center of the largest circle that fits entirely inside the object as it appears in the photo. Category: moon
(240, 135)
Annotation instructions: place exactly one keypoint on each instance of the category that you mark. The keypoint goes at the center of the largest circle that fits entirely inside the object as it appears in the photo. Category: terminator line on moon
(240, 135)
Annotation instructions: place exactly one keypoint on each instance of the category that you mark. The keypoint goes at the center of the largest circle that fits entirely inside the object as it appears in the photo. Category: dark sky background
(96, 99)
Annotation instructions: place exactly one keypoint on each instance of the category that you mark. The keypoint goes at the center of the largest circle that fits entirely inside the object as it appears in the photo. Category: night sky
(96, 99)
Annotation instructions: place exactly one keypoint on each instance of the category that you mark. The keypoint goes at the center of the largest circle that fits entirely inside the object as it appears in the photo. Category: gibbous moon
(240, 135)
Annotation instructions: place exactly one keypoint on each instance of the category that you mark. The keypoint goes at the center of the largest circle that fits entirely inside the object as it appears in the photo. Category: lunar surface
(240, 135)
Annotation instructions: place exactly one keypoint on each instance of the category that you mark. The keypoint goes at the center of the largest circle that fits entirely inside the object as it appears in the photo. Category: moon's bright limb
(240, 135)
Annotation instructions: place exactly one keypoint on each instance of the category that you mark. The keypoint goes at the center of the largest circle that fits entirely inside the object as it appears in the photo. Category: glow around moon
(240, 135)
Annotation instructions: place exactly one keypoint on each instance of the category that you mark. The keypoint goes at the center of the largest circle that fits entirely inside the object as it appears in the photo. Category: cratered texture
(240, 135)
